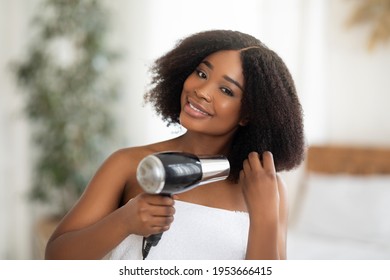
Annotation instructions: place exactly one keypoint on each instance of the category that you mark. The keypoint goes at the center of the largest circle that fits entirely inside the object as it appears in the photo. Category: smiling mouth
(196, 109)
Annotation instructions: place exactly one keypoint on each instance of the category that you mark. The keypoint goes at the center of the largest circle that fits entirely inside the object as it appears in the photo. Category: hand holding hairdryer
(168, 173)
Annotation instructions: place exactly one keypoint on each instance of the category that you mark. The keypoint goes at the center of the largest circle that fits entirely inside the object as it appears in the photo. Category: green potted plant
(70, 92)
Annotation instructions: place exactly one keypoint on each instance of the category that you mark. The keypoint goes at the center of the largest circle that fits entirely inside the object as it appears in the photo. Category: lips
(195, 109)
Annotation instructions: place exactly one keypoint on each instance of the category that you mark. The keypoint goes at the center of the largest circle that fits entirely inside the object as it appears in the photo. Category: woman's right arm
(97, 223)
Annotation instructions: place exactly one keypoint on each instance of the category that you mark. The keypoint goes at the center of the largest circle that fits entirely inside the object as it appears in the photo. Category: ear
(244, 122)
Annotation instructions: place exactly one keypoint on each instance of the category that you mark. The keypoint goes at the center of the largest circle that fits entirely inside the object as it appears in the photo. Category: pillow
(356, 207)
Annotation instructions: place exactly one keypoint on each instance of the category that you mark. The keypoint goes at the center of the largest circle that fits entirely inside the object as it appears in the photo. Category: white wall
(15, 213)
(358, 84)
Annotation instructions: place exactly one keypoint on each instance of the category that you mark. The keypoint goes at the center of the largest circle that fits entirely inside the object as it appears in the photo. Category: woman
(234, 97)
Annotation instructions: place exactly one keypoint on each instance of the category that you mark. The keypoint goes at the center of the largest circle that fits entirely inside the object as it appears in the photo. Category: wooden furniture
(342, 204)
(352, 160)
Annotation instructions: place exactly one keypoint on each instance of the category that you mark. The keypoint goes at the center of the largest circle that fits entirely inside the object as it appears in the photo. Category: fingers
(160, 212)
(160, 200)
(161, 223)
(161, 218)
(268, 162)
(253, 162)
(259, 183)
(159, 206)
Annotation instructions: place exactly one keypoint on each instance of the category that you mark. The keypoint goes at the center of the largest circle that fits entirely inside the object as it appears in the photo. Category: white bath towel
(198, 232)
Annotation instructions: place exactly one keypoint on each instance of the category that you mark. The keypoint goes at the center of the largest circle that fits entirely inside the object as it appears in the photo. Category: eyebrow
(227, 78)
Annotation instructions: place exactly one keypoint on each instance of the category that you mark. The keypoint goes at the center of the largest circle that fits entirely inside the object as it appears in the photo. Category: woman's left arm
(265, 196)
(283, 218)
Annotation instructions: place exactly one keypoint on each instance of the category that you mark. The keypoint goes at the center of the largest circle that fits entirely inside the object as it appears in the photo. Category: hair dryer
(169, 173)
(176, 172)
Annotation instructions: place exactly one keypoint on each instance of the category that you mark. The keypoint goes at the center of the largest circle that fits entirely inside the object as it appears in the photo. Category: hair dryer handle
(148, 242)
(151, 240)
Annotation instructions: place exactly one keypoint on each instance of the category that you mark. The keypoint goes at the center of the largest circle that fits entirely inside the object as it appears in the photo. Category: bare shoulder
(124, 162)
(129, 158)
(112, 184)
(121, 166)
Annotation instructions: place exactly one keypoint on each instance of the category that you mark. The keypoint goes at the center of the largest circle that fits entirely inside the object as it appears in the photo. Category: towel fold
(197, 232)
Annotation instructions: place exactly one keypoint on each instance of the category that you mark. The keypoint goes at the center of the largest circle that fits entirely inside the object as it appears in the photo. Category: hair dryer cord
(148, 242)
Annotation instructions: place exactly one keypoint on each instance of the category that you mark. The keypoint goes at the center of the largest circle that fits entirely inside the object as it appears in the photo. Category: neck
(201, 144)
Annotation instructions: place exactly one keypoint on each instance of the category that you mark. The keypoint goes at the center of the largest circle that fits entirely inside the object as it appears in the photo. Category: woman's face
(211, 96)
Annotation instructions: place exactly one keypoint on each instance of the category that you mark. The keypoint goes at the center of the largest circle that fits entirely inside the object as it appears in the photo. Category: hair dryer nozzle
(151, 174)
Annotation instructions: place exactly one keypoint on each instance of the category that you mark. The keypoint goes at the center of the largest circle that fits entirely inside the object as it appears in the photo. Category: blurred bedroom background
(71, 88)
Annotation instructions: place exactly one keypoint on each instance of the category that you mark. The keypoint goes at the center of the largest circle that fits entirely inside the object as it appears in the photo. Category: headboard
(342, 204)
(339, 161)
(352, 160)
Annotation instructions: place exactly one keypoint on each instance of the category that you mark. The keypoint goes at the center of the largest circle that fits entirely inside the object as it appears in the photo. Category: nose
(203, 94)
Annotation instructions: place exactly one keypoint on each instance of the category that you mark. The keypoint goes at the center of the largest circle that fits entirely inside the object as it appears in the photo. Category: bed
(343, 205)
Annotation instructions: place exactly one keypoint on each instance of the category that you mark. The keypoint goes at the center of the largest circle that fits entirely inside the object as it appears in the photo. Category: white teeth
(196, 109)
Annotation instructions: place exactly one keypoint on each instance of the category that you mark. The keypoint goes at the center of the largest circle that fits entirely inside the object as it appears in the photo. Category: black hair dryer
(169, 173)
(175, 172)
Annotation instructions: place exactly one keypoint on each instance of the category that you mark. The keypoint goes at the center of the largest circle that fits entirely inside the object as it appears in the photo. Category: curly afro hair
(270, 102)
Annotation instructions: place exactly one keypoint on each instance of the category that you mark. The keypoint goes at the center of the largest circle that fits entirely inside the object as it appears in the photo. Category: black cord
(145, 248)
(148, 242)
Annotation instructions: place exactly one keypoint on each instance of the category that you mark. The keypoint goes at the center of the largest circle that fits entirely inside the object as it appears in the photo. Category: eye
(227, 91)
(201, 74)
